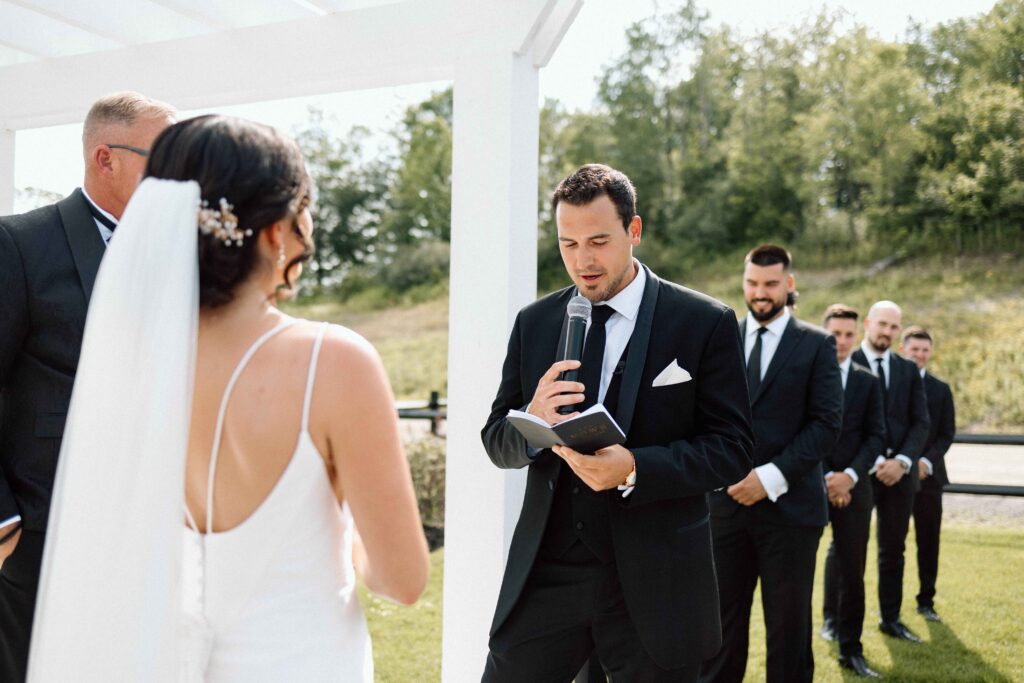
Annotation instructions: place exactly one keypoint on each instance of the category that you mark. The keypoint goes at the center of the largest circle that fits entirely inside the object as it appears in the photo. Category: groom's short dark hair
(589, 182)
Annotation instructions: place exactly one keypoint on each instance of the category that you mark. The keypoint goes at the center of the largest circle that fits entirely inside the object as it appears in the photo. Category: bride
(220, 454)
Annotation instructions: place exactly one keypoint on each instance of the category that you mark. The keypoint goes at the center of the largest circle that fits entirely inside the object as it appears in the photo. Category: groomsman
(895, 468)
(767, 526)
(917, 346)
(849, 493)
(48, 263)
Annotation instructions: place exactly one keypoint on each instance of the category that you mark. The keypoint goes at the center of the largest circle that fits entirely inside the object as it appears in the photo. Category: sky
(50, 158)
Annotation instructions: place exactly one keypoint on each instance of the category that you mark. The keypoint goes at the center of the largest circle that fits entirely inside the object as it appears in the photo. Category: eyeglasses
(137, 150)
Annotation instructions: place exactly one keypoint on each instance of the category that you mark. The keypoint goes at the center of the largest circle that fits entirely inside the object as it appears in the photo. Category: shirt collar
(871, 354)
(627, 302)
(845, 365)
(98, 207)
(776, 327)
(923, 371)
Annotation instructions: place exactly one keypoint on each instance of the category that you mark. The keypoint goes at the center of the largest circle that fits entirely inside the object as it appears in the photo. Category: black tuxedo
(797, 412)
(928, 501)
(687, 438)
(859, 443)
(906, 429)
(48, 263)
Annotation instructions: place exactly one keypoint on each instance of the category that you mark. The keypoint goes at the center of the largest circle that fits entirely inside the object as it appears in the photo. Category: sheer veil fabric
(110, 596)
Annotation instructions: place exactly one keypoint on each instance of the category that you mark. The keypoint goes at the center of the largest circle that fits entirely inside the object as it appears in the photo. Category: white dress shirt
(872, 357)
(620, 325)
(844, 371)
(105, 232)
(771, 477)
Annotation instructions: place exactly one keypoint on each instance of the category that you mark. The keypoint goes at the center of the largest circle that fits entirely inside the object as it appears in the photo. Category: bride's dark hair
(257, 169)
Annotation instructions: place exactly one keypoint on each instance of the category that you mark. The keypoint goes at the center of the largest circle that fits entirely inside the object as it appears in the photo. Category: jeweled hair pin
(221, 223)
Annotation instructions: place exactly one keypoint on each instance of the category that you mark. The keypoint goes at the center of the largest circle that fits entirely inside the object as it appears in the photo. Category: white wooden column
(493, 275)
(6, 172)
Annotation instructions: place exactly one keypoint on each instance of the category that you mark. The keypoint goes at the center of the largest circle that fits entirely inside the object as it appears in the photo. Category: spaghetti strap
(218, 432)
(312, 374)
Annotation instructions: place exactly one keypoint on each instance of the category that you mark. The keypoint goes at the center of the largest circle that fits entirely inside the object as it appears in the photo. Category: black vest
(577, 511)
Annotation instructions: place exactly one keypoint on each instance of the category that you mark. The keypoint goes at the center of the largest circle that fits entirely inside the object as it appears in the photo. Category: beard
(879, 342)
(595, 296)
(767, 315)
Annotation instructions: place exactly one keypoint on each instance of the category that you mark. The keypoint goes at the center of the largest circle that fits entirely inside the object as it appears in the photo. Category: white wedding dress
(273, 599)
(127, 592)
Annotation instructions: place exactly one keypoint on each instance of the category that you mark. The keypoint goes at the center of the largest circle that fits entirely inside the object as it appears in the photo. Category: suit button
(575, 490)
(551, 485)
(579, 525)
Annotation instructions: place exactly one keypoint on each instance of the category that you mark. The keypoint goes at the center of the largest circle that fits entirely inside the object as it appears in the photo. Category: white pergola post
(493, 274)
(6, 172)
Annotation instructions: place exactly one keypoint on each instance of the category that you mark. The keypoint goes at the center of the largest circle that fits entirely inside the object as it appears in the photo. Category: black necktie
(754, 364)
(593, 354)
(881, 374)
(98, 215)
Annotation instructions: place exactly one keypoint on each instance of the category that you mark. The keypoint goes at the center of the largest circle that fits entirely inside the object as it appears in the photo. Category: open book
(590, 431)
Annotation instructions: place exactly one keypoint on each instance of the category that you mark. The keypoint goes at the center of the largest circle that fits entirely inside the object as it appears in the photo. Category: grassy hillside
(973, 306)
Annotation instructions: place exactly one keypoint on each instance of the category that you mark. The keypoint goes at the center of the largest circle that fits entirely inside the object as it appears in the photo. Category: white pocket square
(672, 374)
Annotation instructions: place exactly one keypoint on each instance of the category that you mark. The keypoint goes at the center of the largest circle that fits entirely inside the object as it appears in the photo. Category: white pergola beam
(381, 46)
(493, 275)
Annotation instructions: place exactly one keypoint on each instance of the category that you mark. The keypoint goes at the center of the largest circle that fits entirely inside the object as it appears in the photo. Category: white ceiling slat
(10, 54)
(312, 7)
(333, 53)
(35, 33)
(228, 15)
(188, 11)
(57, 16)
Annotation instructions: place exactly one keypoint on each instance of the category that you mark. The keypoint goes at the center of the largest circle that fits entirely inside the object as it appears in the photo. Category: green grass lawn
(979, 598)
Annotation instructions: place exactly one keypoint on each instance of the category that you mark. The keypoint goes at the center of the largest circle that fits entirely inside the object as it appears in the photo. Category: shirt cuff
(907, 462)
(928, 465)
(772, 480)
(853, 475)
(12, 520)
(878, 461)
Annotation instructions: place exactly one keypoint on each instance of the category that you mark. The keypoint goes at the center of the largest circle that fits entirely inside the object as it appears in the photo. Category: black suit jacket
(688, 438)
(797, 412)
(863, 432)
(906, 414)
(942, 429)
(48, 263)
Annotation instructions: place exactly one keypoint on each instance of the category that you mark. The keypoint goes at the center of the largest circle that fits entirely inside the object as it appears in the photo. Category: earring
(280, 257)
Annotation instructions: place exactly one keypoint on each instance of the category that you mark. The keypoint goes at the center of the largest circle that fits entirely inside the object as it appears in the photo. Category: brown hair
(258, 170)
(839, 312)
(916, 332)
(769, 255)
(589, 182)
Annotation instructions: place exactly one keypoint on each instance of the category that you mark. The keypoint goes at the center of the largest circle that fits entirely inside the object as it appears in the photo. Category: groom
(612, 552)
(48, 263)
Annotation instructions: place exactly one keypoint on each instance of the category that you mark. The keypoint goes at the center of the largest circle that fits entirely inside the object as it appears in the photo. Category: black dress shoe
(897, 629)
(828, 630)
(859, 665)
(929, 614)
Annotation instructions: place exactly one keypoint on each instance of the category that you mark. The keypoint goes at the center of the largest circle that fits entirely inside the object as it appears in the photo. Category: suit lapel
(87, 246)
(637, 355)
(790, 338)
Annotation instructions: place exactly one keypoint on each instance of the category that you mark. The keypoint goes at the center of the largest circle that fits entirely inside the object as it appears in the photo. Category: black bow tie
(98, 215)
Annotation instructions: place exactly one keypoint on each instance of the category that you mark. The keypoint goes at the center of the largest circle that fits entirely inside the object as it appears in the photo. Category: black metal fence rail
(436, 410)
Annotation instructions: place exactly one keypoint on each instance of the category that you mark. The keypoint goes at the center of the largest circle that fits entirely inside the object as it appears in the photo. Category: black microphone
(575, 332)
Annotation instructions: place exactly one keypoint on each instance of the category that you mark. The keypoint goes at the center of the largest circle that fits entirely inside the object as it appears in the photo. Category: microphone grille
(579, 307)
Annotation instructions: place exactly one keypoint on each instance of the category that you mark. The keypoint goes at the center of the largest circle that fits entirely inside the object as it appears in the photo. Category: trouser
(572, 607)
(894, 505)
(844, 567)
(748, 548)
(927, 529)
(19, 581)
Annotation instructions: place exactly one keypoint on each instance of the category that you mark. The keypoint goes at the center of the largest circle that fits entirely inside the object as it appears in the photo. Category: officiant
(612, 552)
(48, 264)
